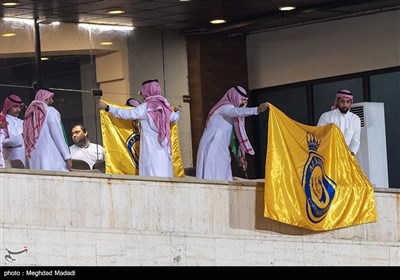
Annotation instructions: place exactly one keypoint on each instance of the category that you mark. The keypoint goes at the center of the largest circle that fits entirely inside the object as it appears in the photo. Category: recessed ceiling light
(9, 34)
(10, 3)
(287, 8)
(105, 27)
(116, 12)
(44, 58)
(217, 21)
(106, 43)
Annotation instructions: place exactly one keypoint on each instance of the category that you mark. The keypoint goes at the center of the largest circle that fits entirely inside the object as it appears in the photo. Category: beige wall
(324, 50)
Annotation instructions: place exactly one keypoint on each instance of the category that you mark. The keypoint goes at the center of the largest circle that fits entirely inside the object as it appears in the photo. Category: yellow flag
(121, 145)
(311, 178)
(176, 152)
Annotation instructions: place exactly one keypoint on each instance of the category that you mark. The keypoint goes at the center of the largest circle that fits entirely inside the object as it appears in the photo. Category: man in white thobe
(13, 146)
(43, 135)
(224, 128)
(3, 136)
(155, 115)
(348, 122)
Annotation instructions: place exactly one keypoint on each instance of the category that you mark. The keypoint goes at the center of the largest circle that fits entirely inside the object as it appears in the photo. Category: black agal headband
(149, 81)
(240, 92)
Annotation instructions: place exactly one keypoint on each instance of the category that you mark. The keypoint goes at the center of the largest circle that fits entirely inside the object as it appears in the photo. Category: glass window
(386, 88)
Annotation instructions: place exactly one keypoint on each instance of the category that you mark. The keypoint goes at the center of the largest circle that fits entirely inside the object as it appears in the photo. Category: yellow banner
(121, 145)
(311, 178)
(176, 152)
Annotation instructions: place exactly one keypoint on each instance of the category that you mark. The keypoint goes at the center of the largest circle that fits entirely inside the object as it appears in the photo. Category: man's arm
(13, 141)
(323, 120)
(355, 140)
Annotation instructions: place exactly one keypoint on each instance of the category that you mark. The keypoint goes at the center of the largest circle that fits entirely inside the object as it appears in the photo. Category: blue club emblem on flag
(132, 144)
(318, 187)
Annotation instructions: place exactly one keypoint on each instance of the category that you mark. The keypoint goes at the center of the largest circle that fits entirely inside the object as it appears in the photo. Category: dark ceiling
(192, 17)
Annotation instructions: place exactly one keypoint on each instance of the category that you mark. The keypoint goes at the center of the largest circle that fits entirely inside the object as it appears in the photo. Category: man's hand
(101, 105)
(178, 108)
(243, 163)
(68, 163)
(3, 124)
(262, 107)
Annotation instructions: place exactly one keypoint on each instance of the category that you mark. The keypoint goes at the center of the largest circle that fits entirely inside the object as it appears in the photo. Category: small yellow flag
(311, 178)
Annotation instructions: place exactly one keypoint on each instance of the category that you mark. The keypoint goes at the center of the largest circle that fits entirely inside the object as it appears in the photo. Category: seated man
(83, 149)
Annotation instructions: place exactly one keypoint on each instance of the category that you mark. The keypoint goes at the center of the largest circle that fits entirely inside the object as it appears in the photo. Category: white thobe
(51, 150)
(91, 153)
(213, 156)
(2, 137)
(348, 123)
(154, 160)
(14, 146)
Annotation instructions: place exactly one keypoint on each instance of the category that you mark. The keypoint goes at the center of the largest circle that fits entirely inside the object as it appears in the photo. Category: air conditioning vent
(359, 111)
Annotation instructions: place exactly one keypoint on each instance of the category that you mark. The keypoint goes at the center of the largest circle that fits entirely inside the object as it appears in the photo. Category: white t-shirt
(91, 153)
